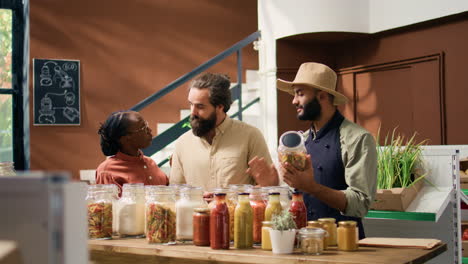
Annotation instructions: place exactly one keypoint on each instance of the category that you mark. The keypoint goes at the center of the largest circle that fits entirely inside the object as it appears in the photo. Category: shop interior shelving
(434, 213)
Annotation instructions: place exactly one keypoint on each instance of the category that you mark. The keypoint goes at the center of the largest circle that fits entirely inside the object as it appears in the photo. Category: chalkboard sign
(56, 92)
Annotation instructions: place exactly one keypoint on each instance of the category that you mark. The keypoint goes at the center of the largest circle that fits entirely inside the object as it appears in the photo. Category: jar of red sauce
(258, 206)
(201, 227)
(298, 210)
(219, 222)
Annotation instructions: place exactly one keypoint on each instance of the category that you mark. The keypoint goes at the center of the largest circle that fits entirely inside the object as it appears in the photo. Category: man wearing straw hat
(341, 173)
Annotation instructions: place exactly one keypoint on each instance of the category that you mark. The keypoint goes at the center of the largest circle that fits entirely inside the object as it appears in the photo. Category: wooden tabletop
(139, 251)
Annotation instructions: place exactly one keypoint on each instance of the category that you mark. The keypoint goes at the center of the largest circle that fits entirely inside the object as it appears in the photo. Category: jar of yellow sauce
(348, 236)
(330, 226)
(243, 222)
(317, 224)
(274, 206)
(266, 242)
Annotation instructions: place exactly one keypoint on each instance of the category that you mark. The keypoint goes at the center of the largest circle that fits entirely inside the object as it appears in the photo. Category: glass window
(5, 48)
(6, 128)
(6, 108)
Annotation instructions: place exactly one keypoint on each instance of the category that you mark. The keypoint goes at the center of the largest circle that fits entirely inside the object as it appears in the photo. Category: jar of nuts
(311, 240)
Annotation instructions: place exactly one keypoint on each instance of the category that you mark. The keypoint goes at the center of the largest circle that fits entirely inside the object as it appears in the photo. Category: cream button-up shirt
(224, 162)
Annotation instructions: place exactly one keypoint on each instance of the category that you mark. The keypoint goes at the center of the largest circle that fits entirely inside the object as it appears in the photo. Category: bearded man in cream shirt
(218, 150)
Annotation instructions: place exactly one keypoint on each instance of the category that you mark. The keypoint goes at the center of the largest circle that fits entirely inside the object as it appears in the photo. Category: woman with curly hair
(123, 135)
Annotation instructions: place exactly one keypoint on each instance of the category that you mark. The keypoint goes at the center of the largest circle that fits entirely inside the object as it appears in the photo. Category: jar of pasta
(99, 203)
(160, 215)
(348, 235)
(292, 149)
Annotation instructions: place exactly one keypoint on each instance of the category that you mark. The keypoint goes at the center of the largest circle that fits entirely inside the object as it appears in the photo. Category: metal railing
(165, 138)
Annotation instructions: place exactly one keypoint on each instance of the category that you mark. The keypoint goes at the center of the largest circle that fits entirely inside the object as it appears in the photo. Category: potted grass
(399, 172)
(282, 233)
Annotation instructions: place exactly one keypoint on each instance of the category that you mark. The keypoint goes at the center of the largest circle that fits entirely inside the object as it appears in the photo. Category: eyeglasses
(144, 128)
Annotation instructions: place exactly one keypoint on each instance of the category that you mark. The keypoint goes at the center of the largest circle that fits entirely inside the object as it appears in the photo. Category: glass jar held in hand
(292, 149)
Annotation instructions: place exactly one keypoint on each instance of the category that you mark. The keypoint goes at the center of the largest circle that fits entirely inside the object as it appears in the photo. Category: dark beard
(200, 126)
(311, 111)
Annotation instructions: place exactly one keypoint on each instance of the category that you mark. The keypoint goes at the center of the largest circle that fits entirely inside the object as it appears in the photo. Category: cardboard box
(396, 199)
(464, 165)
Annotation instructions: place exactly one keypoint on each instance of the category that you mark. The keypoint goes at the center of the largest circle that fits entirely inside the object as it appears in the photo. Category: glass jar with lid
(258, 207)
(235, 189)
(177, 188)
(190, 198)
(219, 222)
(330, 226)
(317, 224)
(99, 204)
(311, 240)
(266, 241)
(160, 215)
(201, 226)
(298, 210)
(243, 222)
(231, 204)
(348, 236)
(274, 206)
(285, 195)
(7, 168)
(292, 149)
(129, 211)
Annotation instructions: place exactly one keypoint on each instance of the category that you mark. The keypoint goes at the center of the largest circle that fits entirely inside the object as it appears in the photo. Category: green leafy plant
(398, 161)
(283, 221)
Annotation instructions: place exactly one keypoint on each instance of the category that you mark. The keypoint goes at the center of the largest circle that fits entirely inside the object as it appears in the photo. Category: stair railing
(168, 136)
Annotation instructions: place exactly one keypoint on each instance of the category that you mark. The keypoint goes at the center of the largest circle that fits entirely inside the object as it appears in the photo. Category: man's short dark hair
(218, 86)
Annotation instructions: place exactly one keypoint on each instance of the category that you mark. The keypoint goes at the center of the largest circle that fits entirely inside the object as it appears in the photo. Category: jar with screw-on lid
(219, 222)
(330, 226)
(201, 226)
(243, 222)
(317, 224)
(258, 207)
(273, 206)
(348, 236)
(292, 149)
(266, 241)
(311, 240)
(7, 168)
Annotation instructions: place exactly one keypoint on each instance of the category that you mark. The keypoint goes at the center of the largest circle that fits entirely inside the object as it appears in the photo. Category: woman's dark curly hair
(112, 130)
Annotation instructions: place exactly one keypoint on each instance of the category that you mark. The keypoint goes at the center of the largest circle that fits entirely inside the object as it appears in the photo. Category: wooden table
(139, 251)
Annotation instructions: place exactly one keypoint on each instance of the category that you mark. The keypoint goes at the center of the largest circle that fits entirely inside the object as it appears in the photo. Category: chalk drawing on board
(47, 110)
(56, 92)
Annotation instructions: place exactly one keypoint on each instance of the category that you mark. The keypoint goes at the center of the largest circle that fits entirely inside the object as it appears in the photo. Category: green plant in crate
(399, 161)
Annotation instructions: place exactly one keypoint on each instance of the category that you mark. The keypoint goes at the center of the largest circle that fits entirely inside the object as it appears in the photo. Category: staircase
(250, 92)
(162, 145)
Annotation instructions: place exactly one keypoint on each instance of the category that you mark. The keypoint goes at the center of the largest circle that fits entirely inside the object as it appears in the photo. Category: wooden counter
(139, 251)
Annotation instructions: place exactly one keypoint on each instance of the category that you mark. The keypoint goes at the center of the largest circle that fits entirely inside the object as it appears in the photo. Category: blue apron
(325, 152)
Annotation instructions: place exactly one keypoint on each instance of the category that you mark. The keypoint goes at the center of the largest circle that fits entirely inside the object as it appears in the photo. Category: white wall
(282, 18)
(386, 15)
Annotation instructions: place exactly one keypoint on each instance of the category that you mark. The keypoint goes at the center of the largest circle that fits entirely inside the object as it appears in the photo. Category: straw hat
(314, 75)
